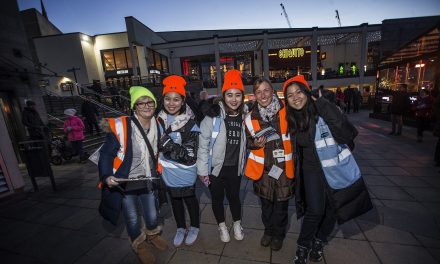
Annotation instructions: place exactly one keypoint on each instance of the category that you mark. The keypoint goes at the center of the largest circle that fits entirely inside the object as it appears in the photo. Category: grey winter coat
(219, 148)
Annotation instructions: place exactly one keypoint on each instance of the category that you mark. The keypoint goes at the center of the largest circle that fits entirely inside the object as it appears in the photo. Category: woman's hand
(111, 181)
(319, 95)
(205, 180)
(259, 142)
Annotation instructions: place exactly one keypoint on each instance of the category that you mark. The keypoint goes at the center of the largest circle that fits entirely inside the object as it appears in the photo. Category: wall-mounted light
(421, 65)
(365, 68)
(322, 71)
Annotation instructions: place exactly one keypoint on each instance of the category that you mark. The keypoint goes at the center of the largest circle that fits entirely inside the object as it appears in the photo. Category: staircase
(55, 106)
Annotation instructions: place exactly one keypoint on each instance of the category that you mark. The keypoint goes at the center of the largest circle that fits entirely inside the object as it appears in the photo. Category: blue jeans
(130, 205)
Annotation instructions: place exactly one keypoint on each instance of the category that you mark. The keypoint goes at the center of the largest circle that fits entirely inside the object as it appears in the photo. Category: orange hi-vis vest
(119, 128)
(255, 162)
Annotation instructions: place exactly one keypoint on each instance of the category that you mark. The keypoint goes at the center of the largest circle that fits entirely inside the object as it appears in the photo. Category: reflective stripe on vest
(340, 168)
(119, 129)
(255, 162)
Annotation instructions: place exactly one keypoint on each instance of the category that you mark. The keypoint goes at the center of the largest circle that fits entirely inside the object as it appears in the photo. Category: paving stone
(424, 194)
(251, 199)
(392, 171)
(184, 256)
(248, 249)
(85, 203)
(15, 232)
(390, 192)
(347, 251)
(108, 250)
(402, 254)
(424, 171)
(56, 215)
(429, 242)
(368, 170)
(407, 163)
(78, 219)
(228, 260)
(9, 257)
(208, 241)
(407, 181)
(207, 215)
(252, 217)
(287, 252)
(407, 206)
(435, 253)
(434, 182)
(348, 230)
(381, 233)
(377, 180)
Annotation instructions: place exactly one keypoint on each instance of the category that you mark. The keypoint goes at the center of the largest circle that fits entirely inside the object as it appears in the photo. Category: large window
(157, 61)
(117, 59)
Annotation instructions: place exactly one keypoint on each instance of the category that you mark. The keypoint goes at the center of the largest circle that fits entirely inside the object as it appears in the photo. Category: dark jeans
(396, 119)
(274, 217)
(179, 210)
(130, 204)
(319, 219)
(422, 125)
(78, 148)
(90, 123)
(227, 181)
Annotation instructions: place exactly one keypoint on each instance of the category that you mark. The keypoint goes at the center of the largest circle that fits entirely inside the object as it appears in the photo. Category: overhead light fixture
(421, 65)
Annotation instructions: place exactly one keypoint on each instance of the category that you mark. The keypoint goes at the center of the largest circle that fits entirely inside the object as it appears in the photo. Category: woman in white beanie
(74, 128)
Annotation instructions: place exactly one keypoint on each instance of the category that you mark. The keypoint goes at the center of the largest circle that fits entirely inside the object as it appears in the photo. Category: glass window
(150, 58)
(109, 60)
(120, 59)
(164, 63)
(157, 61)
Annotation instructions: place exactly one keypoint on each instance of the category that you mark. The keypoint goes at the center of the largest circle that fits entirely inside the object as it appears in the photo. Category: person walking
(222, 152)
(90, 114)
(270, 162)
(399, 105)
(32, 121)
(318, 128)
(74, 128)
(423, 110)
(177, 157)
(127, 169)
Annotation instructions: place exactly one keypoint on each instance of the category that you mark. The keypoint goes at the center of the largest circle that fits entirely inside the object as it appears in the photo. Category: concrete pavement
(404, 227)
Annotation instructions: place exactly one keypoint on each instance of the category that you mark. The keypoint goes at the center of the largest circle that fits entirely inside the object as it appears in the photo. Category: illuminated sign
(122, 72)
(291, 53)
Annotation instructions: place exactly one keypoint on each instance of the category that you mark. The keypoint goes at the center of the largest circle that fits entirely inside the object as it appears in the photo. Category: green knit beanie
(137, 92)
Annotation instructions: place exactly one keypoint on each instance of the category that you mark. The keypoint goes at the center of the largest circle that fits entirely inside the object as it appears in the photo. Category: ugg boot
(142, 251)
(153, 237)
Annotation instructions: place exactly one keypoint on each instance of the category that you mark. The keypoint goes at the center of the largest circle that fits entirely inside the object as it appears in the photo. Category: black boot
(317, 250)
(301, 256)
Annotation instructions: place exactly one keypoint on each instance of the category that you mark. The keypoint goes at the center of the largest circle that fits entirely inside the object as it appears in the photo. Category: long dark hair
(228, 110)
(300, 120)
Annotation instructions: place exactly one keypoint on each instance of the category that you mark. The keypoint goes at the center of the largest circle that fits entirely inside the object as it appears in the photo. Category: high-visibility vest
(119, 128)
(255, 162)
(337, 162)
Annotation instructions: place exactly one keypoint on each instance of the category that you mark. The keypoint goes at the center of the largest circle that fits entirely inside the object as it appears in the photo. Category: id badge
(275, 172)
(278, 153)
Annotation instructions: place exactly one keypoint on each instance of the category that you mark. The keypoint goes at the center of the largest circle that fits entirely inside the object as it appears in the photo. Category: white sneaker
(238, 230)
(180, 236)
(224, 233)
(191, 236)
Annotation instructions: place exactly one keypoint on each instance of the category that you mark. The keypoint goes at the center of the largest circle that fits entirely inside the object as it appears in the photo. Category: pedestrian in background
(423, 110)
(177, 157)
(400, 104)
(32, 121)
(90, 114)
(317, 127)
(270, 162)
(129, 153)
(74, 128)
(222, 152)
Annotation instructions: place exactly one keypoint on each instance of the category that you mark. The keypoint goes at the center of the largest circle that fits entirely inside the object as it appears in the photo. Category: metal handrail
(101, 105)
(51, 117)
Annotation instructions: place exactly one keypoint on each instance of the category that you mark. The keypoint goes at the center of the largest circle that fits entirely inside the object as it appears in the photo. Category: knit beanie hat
(298, 79)
(174, 83)
(70, 112)
(137, 92)
(233, 81)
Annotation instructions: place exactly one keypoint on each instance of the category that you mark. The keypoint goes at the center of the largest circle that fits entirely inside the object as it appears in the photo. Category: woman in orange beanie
(222, 152)
(177, 157)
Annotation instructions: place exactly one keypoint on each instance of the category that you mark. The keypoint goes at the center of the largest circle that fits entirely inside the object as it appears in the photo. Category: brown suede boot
(142, 250)
(153, 237)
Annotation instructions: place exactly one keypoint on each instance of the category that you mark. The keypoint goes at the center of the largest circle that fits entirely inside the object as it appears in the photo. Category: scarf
(179, 121)
(268, 112)
(138, 139)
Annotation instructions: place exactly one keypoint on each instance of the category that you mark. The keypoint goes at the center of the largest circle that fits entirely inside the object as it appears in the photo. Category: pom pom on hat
(70, 112)
(233, 81)
(297, 79)
(137, 92)
(174, 83)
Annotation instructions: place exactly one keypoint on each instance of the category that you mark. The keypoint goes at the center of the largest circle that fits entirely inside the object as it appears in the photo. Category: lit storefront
(203, 68)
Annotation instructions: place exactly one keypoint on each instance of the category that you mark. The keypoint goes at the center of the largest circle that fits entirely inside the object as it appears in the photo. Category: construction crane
(285, 15)
(337, 17)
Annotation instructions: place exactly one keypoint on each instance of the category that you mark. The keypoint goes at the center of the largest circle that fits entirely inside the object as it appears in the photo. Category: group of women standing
(143, 152)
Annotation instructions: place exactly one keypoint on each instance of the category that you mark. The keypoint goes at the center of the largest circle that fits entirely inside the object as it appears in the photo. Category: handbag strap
(150, 148)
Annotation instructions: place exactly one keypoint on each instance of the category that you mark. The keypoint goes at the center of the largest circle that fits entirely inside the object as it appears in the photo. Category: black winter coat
(346, 203)
(32, 121)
